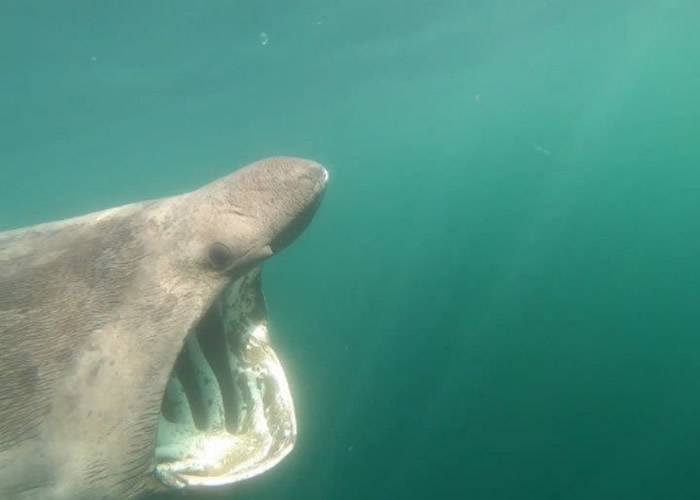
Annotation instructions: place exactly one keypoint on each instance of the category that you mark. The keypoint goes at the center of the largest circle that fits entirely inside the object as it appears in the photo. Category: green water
(499, 296)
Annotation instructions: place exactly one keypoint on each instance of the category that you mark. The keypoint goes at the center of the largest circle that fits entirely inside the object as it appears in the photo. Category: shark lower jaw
(227, 413)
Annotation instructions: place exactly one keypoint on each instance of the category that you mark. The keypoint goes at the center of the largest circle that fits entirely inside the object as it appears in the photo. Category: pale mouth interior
(227, 413)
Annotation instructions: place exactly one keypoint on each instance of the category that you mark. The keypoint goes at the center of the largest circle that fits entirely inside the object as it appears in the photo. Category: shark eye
(220, 256)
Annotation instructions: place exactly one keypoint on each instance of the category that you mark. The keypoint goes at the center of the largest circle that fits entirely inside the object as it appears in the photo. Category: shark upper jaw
(227, 413)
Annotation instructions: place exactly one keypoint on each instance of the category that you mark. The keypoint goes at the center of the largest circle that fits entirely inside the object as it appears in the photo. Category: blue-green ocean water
(499, 296)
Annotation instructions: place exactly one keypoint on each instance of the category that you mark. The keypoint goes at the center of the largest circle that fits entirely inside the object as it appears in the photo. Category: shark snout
(281, 194)
(324, 177)
(305, 186)
(309, 171)
(321, 180)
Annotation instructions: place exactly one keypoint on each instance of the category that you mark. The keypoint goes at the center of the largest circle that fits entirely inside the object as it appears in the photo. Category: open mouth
(227, 413)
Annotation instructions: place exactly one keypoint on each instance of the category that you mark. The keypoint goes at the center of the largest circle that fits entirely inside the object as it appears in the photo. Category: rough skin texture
(93, 313)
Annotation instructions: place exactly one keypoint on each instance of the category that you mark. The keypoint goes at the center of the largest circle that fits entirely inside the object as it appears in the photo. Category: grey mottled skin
(94, 311)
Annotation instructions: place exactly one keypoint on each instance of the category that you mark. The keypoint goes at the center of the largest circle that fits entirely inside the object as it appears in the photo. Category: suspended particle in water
(541, 150)
(264, 38)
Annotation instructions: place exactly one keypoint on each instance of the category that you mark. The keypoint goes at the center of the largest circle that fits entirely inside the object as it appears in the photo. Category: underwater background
(499, 296)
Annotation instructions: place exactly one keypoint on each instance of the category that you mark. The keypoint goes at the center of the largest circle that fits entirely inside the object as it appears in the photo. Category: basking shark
(134, 351)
